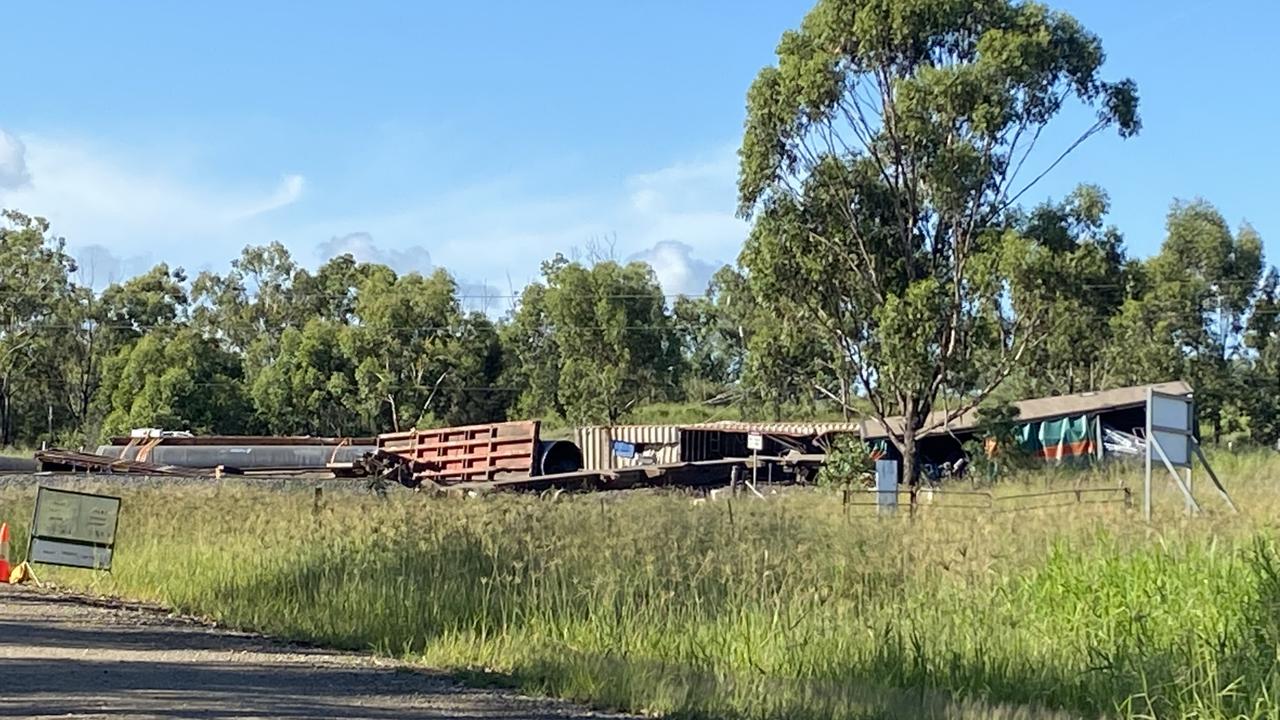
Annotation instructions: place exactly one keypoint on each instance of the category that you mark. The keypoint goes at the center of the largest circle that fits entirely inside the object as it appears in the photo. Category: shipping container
(618, 446)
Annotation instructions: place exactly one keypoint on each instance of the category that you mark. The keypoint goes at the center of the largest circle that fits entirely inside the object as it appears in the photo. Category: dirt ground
(72, 657)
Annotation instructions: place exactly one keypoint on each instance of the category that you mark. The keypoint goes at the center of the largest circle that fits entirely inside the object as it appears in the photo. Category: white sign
(1169, 429)
(1170, 424)
(1170, 413)
(73, 528)
(56, 552)
(1176, 447)
(755, 441)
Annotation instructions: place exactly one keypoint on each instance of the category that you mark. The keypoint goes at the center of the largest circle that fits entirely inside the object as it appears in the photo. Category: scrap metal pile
(165, 453)
(473, 458)
(73, 461)
(514, 456)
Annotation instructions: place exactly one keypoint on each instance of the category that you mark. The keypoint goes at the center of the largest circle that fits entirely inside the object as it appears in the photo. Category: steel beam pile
(55, 460)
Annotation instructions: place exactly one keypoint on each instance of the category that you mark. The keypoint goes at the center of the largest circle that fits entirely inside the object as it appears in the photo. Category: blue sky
(487, 137)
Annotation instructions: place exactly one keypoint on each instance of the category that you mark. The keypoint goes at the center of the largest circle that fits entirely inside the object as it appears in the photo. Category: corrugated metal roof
(665, 434)
(1041, 408)
(789, 429)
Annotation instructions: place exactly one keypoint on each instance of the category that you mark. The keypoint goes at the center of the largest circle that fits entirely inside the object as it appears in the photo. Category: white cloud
(361, 246)
(136, 205)
(287, 193)
(98, 267)
(677, 268)
(495, 232)
(13, 162)
(680, 217)
(690, 202)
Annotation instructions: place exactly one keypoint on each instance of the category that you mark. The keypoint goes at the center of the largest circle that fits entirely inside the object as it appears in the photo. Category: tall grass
(794, 607)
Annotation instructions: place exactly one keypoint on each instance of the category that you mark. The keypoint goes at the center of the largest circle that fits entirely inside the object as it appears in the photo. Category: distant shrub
(997, 452)
(849, 463)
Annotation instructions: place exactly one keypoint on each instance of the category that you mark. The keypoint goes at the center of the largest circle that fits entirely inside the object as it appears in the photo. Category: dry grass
(795, 607)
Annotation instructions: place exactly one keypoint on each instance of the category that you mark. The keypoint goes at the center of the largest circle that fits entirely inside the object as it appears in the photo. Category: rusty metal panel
(466, 454)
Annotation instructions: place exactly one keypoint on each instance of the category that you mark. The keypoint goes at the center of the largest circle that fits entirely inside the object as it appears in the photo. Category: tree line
(893, 268)
(354, 348)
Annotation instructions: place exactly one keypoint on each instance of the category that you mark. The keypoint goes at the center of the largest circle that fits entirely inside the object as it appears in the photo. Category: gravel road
(66, 656)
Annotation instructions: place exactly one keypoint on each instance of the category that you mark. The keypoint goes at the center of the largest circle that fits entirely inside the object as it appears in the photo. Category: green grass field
(794, 607)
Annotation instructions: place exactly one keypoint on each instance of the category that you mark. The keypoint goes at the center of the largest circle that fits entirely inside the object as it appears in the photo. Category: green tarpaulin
(1064, 438)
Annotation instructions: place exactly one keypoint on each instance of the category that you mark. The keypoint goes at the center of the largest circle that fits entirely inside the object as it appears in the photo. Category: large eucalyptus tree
(880, 159)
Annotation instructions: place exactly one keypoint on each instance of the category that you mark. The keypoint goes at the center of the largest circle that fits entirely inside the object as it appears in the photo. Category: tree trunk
(844, 396)
(910, 468)
(910, 464)
(5, 440)
(395, 416)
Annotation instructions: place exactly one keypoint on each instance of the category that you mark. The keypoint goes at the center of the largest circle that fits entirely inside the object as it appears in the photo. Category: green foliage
(418, 358)
(880, 157)
(849, 464)
(36, 297)
(179, 381)
(1088, 277)
(888, 265)
(532, 356)
(155, 299)
(713, 330)
(311, 387)
(251, 304)
(1190, 319)
(998, 422)
(997, 449)
(1260, 374)
(593, 342)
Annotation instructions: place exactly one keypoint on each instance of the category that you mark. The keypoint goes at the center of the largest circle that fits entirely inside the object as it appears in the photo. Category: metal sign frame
(1170, 436)
(96, 548)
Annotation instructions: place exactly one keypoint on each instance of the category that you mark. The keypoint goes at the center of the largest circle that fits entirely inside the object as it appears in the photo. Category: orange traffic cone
(4, 552)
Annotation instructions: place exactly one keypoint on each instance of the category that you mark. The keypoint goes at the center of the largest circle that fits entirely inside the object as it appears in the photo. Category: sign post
(755, 443)
(73, 529)
(886, 487)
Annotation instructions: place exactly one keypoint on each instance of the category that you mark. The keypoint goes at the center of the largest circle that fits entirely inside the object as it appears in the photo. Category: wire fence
(929, 499)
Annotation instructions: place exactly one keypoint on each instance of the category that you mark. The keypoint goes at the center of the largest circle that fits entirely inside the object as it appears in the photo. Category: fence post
(1128, 499)
(317, 501)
